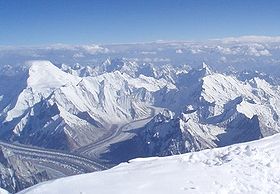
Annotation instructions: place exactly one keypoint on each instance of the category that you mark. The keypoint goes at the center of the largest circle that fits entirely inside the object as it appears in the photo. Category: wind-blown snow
(243, 168)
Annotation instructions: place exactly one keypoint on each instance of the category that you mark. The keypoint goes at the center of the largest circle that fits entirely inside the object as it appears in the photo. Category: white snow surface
(95, 95)
(86, 106)
(242, 168)
(2, 191)
(116, 97)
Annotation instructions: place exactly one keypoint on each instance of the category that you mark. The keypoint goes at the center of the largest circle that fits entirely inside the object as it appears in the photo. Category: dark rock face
(17, 174)
(167, 134)
(162, 136)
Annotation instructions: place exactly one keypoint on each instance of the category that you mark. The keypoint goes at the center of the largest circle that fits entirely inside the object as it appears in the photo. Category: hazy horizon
(115, 22)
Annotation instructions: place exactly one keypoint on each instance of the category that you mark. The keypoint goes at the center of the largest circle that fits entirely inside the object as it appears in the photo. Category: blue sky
(37, 22)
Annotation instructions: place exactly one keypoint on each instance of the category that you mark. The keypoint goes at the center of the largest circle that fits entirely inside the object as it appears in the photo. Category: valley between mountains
(58, 121)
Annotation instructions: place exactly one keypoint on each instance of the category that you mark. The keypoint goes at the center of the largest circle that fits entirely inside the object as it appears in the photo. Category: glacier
(241, 168)
(109, 104)
(60, 109)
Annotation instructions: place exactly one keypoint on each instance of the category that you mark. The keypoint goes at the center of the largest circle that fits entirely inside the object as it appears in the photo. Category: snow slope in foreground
(2, 191)
(243, 168)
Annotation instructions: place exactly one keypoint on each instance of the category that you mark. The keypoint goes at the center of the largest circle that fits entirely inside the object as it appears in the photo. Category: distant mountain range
(260, 53)
(109, 106)
(63, 108)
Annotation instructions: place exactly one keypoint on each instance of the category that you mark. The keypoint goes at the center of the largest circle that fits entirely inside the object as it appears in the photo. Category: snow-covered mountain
(50, 108)
(220, 110)
(206, 110)
(55, 108)
(155, 100)
(242, 168)
(129, 67)
(242, 53)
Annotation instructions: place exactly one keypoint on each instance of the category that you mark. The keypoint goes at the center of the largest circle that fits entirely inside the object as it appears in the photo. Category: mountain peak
(44, 74)
(40, 64)
(207, 68)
